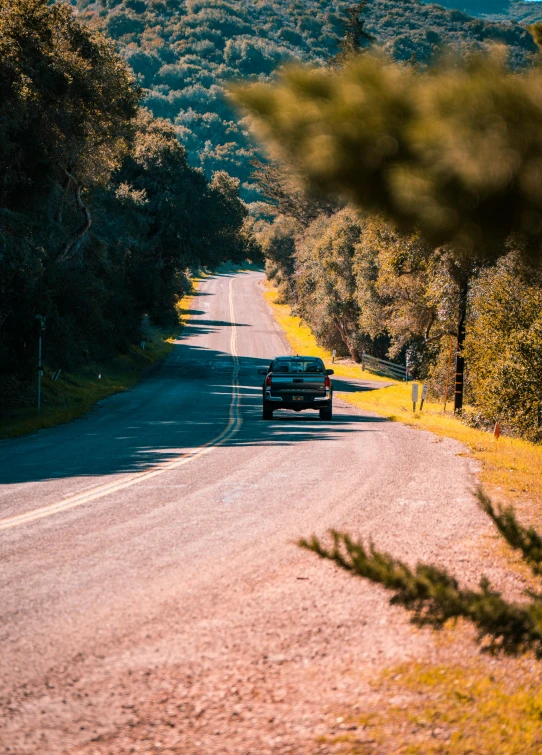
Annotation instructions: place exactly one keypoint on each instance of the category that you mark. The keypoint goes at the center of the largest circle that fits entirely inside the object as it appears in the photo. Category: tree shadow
(184, 404)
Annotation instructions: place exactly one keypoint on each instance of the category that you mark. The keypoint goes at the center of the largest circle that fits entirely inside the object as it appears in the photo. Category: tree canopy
(455, 151)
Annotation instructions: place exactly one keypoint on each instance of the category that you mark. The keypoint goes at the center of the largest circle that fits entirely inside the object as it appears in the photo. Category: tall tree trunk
(459, 358)
(345, 338)
(87, 219)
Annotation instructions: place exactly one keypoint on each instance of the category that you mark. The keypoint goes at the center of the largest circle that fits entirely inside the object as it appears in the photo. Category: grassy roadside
(469, 703)
(73, 394)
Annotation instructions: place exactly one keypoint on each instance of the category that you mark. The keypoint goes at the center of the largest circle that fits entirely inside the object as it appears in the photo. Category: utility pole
(41, 319)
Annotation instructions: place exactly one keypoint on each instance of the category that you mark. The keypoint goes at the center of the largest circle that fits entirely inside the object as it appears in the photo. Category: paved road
(148, 559)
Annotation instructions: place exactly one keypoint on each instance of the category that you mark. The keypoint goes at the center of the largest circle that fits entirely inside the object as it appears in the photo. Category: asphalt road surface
(152, 597)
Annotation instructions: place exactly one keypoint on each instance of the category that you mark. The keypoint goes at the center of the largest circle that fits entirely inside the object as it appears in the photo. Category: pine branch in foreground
(434, 595)
(524, 539)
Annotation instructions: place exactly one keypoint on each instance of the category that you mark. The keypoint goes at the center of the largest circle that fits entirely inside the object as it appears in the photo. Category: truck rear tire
(267, 412)
(326, 412)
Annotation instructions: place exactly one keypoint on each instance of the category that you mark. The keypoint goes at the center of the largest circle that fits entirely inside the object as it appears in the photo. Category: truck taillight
(327, 382)
(268, 381)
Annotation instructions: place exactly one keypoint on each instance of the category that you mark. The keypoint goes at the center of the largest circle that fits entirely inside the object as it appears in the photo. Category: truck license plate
(298, 398)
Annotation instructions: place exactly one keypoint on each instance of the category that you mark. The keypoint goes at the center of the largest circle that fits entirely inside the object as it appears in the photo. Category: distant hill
(183, 51)
(500, 10)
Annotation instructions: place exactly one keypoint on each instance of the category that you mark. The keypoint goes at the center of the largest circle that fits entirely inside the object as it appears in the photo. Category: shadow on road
(184, 404)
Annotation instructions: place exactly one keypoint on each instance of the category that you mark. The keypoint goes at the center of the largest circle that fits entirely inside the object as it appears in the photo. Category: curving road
(151, 595)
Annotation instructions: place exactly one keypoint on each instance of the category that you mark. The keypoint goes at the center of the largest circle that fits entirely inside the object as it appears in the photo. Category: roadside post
(333, 355)
(41, 319)
(414, 396)
(425, 388)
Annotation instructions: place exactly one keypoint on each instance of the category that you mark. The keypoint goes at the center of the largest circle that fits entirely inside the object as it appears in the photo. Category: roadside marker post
(425, 388)
(333, 355)
(497, 430)
(414, 396)
(41, 319)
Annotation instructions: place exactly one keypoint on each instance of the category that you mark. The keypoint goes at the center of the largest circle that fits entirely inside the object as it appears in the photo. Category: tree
(326, 282)
(101, 215)
(67, 107)
(285, 192)
(504, 346)
(404, 289)
(355, 38)
(454, 151)
(278, 244)
(68, 103)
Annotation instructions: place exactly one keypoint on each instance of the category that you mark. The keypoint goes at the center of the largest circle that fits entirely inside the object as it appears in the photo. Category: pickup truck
(297, 383)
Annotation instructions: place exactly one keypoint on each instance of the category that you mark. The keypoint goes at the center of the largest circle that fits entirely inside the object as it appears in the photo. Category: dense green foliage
(504, 345)
(360, 284)
(450, 155)
(435, 596)
(183, 52)
(101, 215)
(453, 150)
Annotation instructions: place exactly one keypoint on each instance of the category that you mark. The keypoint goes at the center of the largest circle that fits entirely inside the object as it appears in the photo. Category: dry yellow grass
(481, 709)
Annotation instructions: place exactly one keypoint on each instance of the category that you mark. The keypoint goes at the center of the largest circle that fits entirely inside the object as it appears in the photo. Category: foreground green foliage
(435, 596)
(452, 151)
(525, 540)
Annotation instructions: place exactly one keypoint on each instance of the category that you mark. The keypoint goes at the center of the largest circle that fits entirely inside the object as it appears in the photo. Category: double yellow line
(233, 425)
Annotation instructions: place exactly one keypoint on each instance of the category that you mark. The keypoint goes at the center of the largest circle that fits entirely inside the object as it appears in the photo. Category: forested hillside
(184, 51)
(521, 11)
(124, 165)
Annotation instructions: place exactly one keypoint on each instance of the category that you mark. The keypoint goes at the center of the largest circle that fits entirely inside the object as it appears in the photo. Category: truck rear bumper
(310, 402)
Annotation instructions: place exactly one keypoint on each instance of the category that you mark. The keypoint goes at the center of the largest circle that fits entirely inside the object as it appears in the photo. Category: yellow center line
(233, 425)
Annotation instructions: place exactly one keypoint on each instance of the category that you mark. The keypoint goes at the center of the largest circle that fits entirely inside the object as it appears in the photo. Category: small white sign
(414, 392)
(424, 391)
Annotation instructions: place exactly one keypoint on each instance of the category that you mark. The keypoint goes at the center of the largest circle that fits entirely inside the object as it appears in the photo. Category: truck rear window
(298, 365)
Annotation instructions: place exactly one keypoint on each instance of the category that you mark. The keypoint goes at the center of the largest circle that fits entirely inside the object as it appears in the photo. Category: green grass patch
(74, 394)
